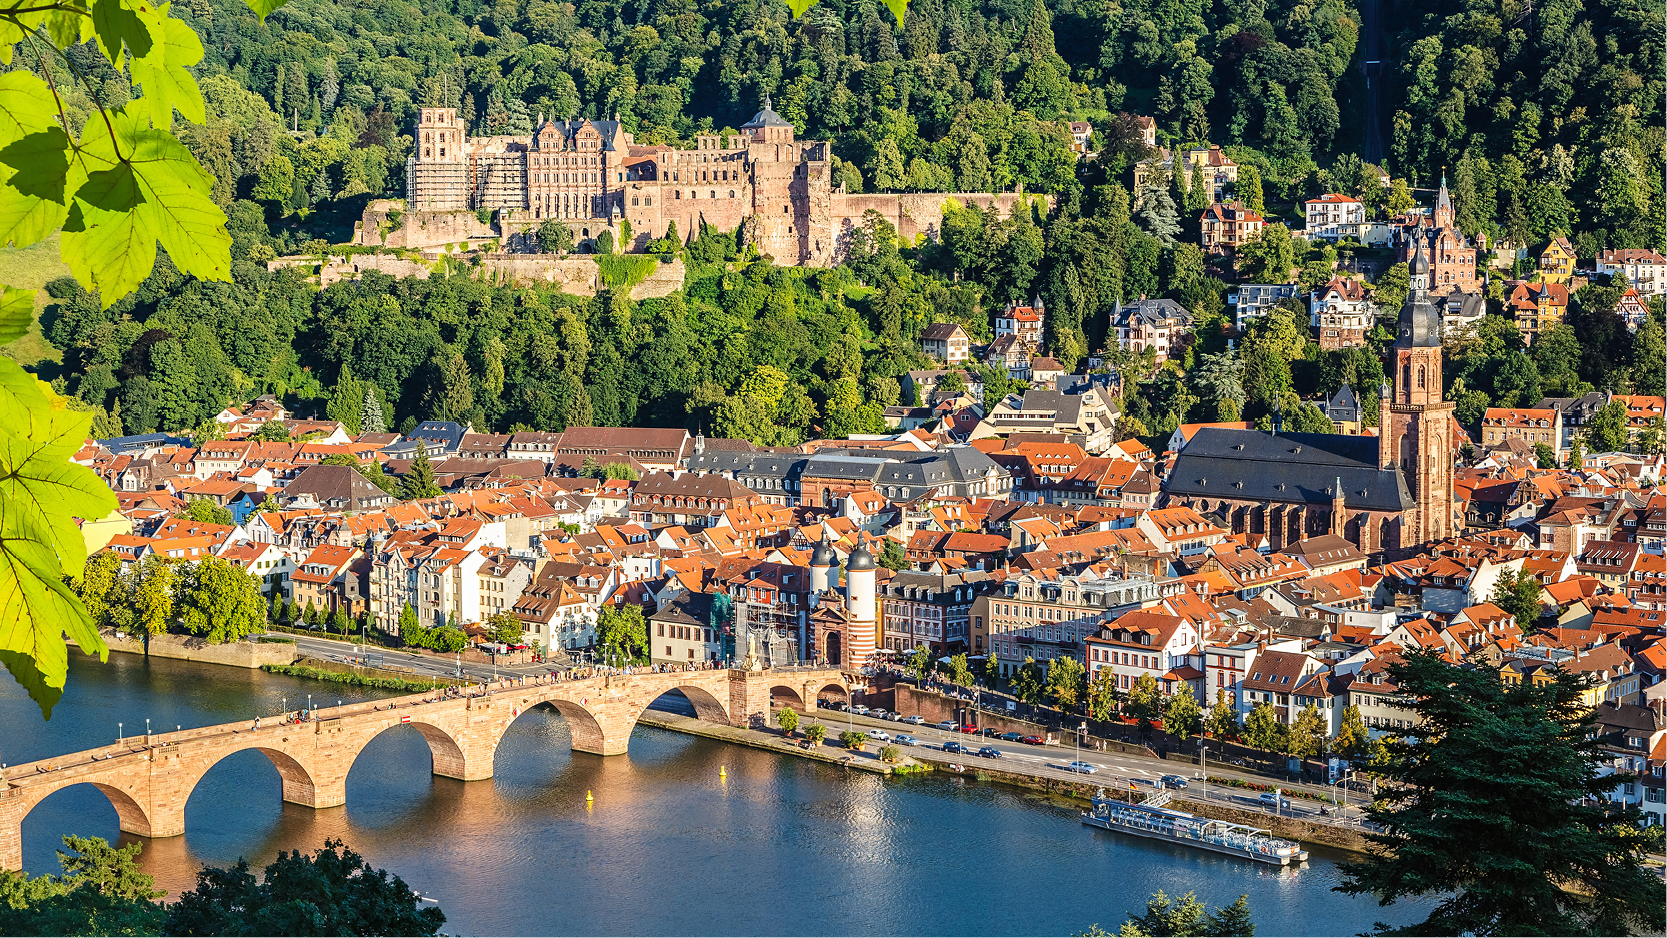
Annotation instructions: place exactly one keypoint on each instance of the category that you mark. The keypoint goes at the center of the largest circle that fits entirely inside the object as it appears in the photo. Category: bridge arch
(131, 817)
(834, 692)
(300, 785)
(707, 705)
(786, 696)
(445, 753)
(582, 724)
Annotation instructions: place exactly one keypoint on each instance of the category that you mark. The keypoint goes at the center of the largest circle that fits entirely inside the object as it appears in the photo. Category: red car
(969, 729)
(1032, 740)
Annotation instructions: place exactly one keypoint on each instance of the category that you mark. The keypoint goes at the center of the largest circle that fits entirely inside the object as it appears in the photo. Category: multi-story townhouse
(1045, 614)
(931, 609)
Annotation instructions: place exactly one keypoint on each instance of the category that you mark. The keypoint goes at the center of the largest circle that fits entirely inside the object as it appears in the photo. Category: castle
(593, 175)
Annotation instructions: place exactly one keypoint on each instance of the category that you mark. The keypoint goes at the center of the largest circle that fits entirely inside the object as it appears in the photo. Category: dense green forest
(1545, 121)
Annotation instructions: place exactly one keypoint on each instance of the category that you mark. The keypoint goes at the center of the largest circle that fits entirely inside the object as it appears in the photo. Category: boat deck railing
(1186, 827)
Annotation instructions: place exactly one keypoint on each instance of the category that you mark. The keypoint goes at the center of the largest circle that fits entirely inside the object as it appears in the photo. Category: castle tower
(436, 176)
(824, 567)
(1416, 434)
(860, 606)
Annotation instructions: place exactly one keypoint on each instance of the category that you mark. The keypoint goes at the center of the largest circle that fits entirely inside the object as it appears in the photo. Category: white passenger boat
(1150, 818)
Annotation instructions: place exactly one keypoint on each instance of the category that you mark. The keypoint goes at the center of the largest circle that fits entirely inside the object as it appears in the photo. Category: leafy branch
(116, 191)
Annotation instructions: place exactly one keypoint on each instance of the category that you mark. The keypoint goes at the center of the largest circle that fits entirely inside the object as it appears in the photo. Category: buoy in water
(722, 773)
(589, 797)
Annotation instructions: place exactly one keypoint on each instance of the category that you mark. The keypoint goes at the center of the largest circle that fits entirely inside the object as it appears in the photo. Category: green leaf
(898, 8)
(41, 161)
(150, 190)
(27, 217)
(263, 8)
(162, 73)
(800, 6)
(42, 494)
(17, 310)
(124, 21)
(25, 106)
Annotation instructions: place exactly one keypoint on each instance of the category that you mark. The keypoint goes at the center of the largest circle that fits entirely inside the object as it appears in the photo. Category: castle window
(648, 200)
(678, 194)
(712, 195)
(732, 193)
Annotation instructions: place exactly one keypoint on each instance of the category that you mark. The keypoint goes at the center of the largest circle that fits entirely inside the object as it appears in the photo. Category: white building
(1332, 217)
(1644, 269)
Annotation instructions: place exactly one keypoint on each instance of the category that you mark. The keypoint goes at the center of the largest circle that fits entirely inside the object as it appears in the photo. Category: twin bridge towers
(148, 779)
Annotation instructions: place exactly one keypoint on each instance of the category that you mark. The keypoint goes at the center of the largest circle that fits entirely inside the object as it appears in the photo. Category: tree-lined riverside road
(148, 779)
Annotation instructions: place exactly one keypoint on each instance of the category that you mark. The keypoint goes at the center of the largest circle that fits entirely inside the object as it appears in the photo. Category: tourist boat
(1150, 818)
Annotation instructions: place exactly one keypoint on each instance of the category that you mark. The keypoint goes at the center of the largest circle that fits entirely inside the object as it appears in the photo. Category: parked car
(969, 729)
(1084, 768)
(953, 746)
(880, 735)
(859, 710)
(947, 725)
(1031, 740)
(880, 713)
(1011, 737)
(904, 739)
(990, 731)
(915, 720)
(1269, 799)
(990, 752)
(1173, 781)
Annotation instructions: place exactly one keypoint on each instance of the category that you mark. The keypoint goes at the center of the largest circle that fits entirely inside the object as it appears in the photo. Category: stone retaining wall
(192, 648)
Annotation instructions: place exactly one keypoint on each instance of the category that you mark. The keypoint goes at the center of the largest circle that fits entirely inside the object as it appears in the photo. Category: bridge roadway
(148, 779)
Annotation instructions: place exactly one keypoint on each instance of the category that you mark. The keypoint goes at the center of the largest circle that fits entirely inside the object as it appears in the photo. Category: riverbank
(244, 654)
(333, 672)
(866, 761)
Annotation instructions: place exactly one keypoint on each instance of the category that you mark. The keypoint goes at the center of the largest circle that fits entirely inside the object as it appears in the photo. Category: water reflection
(780, 846)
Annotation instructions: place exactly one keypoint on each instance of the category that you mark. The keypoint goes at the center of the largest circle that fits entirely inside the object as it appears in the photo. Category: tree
(1027, 681)
(1307, 736)
(457, 389)
(419, 479)
(219, 600)
(408, 624)
(1145, 702)
(892, 556)
(1390, 292)
(332, 892)
(271, 432)
(1500, 847)
(554, 237)
(1606, 431)
(1223, 720)
(1400, 200)
(1352, 736)
(992, 668)
(621, 629)
(853, 740)
(1269, 257)
(1249, 189)
(504, 627)
(789, 720)
(1185, 917)
(205, 511)
(816, 732)
(347, 402)
(1518, 593)
(1545, 455)
(147, 593)
(1102, 694)
(1182, 717)
(1262, 729)
(276, 613)
(1066, 680)
(959, 672)
(370, 413)
(1157, 213)
(100, 586)
(920, 662)
(102, 892)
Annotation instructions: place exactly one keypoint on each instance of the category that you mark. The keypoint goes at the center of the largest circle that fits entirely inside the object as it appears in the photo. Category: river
(781, 846)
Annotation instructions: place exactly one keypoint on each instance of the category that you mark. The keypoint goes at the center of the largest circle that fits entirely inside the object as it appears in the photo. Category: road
(421, 666)
(1116, 769)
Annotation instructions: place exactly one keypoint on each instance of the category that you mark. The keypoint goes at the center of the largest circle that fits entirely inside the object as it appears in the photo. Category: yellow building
(1557, 262)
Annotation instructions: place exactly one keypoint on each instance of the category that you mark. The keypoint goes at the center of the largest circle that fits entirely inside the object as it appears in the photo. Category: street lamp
(118, 734)
(1204, 770)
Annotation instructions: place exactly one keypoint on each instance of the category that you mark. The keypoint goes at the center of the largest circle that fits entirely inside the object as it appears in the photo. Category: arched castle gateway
(593, 175)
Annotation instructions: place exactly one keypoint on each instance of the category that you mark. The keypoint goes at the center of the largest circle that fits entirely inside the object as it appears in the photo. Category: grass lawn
(31, 268)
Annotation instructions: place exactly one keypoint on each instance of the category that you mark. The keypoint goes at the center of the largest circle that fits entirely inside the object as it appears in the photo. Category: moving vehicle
(1173, 781)
(1011, 737)
(947, 726)
(1270, 799)
(1082, 768)
(880, 735)
(990, 752)
(953, 746)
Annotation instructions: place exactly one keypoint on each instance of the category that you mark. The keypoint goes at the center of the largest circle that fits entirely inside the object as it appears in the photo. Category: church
(1388, 495)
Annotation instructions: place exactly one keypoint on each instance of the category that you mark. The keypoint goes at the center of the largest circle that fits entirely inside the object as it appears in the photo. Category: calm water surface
(783, 846)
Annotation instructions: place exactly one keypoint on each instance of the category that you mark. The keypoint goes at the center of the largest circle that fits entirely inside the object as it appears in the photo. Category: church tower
(1416, 425)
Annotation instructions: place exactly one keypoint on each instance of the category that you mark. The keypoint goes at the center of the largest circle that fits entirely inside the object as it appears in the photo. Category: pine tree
(346, 402)
(888, 166)
(419, 479)
(1157, 213)
(277, 613)
(370, 414)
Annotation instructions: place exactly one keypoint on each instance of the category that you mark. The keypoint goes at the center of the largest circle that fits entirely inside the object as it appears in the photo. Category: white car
(859, 710)
(948, 726)
(880, 735)
(880, 713)
(916, 720)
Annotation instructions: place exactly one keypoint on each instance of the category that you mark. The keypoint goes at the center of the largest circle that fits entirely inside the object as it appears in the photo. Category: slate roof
(1250, 465)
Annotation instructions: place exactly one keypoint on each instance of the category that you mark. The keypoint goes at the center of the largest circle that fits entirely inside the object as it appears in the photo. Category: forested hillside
(1547, 122)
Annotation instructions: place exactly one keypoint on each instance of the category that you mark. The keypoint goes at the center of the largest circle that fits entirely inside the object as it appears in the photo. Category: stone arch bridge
(148, 779)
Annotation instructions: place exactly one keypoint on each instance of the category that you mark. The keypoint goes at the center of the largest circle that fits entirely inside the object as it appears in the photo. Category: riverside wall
(576, 275)
(242, 654)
